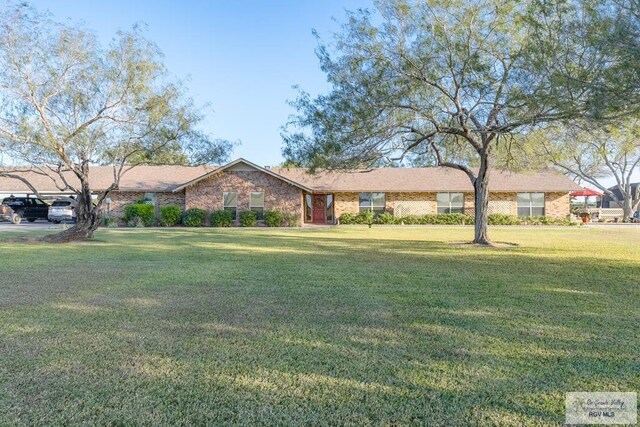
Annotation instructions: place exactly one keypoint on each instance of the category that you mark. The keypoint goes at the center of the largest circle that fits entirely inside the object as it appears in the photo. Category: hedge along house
(433, 190)
(243, 186)
(322, 197)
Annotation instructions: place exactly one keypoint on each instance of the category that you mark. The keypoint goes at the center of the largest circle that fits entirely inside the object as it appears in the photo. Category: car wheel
(31, 219)
(16, 219)
(55, 221)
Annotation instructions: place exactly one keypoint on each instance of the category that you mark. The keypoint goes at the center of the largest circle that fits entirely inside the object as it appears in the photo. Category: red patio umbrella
(586, 193)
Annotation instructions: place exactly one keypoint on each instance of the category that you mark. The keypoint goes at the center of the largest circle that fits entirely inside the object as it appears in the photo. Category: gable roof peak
(236, 162)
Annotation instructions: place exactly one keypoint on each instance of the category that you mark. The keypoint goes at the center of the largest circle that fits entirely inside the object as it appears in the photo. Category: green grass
(352, 326)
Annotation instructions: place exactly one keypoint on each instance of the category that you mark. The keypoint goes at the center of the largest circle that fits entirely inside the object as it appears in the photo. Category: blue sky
(241, 57)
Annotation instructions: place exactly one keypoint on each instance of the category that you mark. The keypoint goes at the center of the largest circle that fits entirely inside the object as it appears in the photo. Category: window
(530, 204)
(13, 202)
(257, 204)
(372, 202)
(230, 203)
(150, 199)
(329, 214)
(307, 208)
(450, 203)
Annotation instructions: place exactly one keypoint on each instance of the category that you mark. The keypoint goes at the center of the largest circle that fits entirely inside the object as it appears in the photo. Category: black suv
(29, 208)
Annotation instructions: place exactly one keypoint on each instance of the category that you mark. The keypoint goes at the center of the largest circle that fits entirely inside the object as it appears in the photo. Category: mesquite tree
(444, 77)
(67, 103)
(595, 154)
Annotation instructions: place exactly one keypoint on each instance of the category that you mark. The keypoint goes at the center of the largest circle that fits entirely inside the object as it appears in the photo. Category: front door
(319, 209)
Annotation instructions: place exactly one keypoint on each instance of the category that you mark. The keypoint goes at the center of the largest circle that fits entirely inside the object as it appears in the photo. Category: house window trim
(150, 198)
(308, 210)
(228, 208)
(329, 214)
(531, 206)
(448, 206)
(260, 215)
(372, 208)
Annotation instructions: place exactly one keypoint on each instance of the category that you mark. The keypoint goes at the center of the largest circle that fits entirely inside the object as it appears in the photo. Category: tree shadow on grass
(280, 330)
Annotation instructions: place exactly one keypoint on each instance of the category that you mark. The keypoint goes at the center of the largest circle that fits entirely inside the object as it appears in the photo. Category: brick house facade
(279, 195)
(324, 196)
(119, 199)
(556, 204)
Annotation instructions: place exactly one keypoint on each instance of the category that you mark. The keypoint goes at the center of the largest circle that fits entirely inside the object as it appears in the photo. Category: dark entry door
(319, 207)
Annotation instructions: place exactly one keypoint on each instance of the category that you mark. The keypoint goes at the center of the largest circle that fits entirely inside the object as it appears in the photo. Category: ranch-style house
(318, 198)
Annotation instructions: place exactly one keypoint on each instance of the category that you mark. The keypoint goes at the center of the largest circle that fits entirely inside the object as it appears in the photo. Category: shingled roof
(426, 180)
(252, 166)
(140, 178)
(434, 179)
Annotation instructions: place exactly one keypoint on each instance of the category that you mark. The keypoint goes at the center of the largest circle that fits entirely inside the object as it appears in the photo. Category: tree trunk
(88, 219)
(481, 191)
(627, 208)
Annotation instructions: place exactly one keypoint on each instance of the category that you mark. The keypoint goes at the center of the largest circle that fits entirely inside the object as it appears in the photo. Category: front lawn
(382, 326)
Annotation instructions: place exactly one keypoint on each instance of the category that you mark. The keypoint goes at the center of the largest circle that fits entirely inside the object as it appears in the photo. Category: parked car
(29, 208)
(8, 214)
(63, 210)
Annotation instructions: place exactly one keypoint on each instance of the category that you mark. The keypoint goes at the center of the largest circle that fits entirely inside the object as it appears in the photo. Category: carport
(38, 205)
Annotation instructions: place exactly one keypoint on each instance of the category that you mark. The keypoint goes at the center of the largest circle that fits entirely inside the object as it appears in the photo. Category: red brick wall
(207, 194)
(279, 195)
(556, 204)
(121, 198)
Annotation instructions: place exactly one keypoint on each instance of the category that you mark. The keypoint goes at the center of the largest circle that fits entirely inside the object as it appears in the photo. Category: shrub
(437, 219)
(248, 219)
(385, 218)
(136, 222)
(547, 220)
(347, 218)
(290, 220)
(170, 215)
(194, 217)
(145, 212)
(502, 219)
(452, 219)
(537, 220)
(410, 220)
(365, 217)
(448, 219)
(109, 221)
(273, 218)
(368, 217)
(571, 222)
(222, 218)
